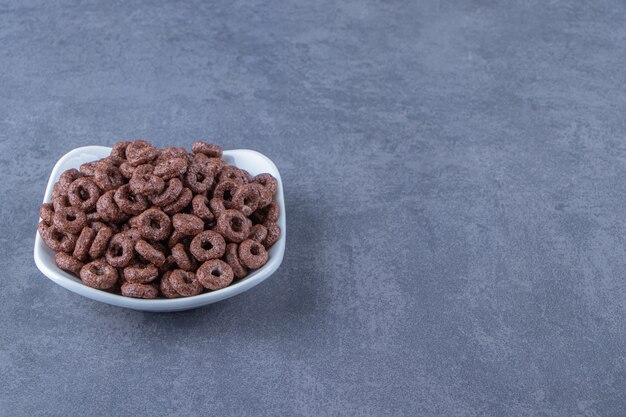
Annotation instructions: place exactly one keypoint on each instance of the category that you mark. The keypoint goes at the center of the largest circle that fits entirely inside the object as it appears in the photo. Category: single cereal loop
(83, 243)
(232, 259)
(183, 201)
(232, 173)
(258, 232)
(177, 238)
(273, 234)
(150, 253)
(89, 168)
(60, 201)
(225, 191)
(108, 177)
(248, 197)
(127, 170)
(120, 251)
(217, 207)
(153, 224)
(108, 208)
(135, 290)
(68, 177)
(208, 149)
(233, 225)
(101, 241)
(140, 152)
(140, 273)
(183, 260)
(145, 182)
(187, 224)
(215, 274)
(83, 193)
(268, 214)
(170, 193)
(119, 149)
(199, 207)
(133, 234)
(171, 167)
(267, 181)
(166, 287)
(172, 152)
(56, 239)
(68, 263)
(46, 212)
(70, 219)
(185, 283)
(252, 254)
(200, 177)
(130, 202)
(207, 245)
(99, 274)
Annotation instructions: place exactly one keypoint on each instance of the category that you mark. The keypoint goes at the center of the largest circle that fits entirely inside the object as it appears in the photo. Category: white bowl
(254, 162)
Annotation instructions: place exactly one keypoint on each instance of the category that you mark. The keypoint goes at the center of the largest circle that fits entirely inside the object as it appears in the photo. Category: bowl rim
(73, 284)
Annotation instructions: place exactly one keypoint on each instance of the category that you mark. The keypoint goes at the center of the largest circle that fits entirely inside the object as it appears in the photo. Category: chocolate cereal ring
(217, 207)
(68, 177)
(153, 224)
(172, 152)
(185, 283)
(209, 149)
(252, 254)
(56, 239)
(68, 263)
(187, 224)
(99, 274)
(83, 243)
(273, 234)
(232, 173)
(136, 290)
(199, 207)
(181, 202)
(139, 273)
(150, 253)
(268, 214)
(166, 287)
(145, 182)
(89, 168)
(170, 193)
(83, 193)
(101, 241)
(46, 212)
(267, 181)
(130, 202)
(215, 274)
(182, 258)
(108, 177)
(233, 225)
(70, 219)
(258, 232)
(140, 152)
(248, 197)
(207, 245)
(225, 190)
(120, 251)
(171, 167)
(119, 149)
(177, 238)
(127, 170)
(108, 208)
(232, 259)
(200, 177)
(60, 201)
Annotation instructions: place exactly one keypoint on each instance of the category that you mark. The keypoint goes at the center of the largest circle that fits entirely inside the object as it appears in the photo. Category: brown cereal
(273, 234)
(68, 263)
(215, 274)
(153, 224)
(139, 273)
(83, 193)
(101, 241)
(83, 243)
(67, 178)
(207, 245)
(181, 202)
(127, 170)
(187, 224)
(119, 149)
(172, 152)
(232, 173)
(140, 152)
(46, 212)
(182, 258)
(99, 274)
(267, 181)
(69, 219)
(177, 238)
(225, 191)
(108, 177)
(252, 254)
(88, 169)
(169, 194)
(150, 253)
(94, 217)
(166, 286)
(120, 251)
(270, 214)
(208, 149)
(130, 202)
(233, 225)
(136, 290)
(199, 207)
(145, 182)
(258, 232)
(248, 197)
(60, 201)
(185, 283)
(217, 207)
(108, 208)
(56, 239)
(200, 177)
(232, 258)
(171, 167)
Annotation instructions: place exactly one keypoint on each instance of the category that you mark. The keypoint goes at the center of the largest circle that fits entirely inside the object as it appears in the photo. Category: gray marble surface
(454, 180)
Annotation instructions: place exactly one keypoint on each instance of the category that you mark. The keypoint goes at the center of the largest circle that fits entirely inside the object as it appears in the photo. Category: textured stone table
(454, 179)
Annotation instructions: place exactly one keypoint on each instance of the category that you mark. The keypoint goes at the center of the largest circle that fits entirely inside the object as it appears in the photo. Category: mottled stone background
(454, 179)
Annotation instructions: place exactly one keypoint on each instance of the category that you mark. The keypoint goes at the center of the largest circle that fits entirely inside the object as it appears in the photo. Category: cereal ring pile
(147, 222)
